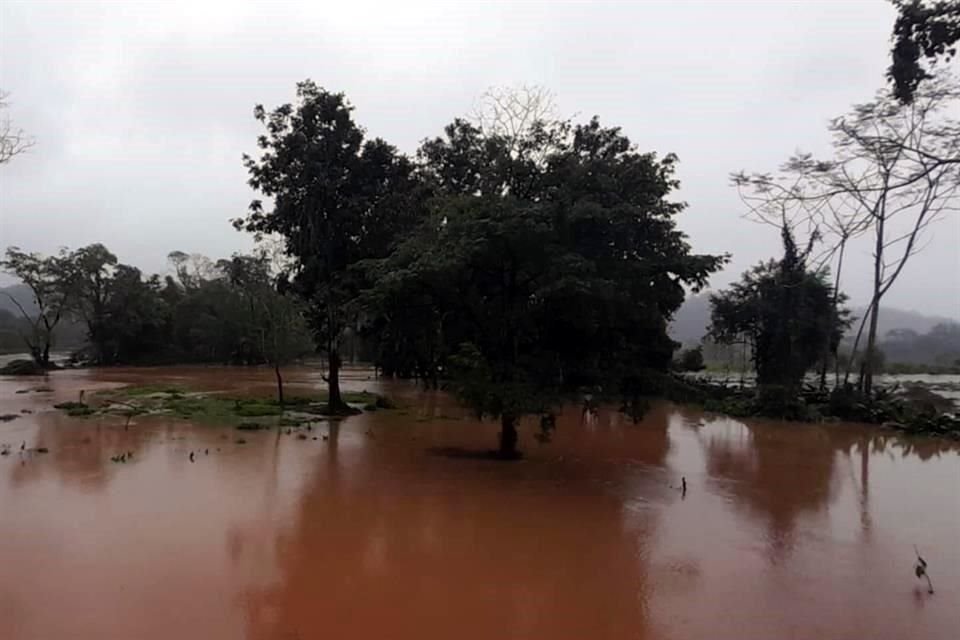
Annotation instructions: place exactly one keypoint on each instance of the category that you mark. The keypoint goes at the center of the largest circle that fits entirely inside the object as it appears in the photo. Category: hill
(690, 323)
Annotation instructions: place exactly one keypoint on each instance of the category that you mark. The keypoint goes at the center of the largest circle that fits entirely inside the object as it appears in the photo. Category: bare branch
(13, 141)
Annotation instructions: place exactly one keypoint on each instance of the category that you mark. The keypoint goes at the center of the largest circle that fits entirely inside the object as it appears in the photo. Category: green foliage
(230, 311)
(786, 314)
(923, 30)
(336, 199)
(550, 261)
(75, 409)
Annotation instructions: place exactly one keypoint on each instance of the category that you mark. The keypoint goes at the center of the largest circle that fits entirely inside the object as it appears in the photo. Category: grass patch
(75, 409)
(214, 408)
(257, 409)
(148, 390)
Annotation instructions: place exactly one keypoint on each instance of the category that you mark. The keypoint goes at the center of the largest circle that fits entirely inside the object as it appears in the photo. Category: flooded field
(388, 528)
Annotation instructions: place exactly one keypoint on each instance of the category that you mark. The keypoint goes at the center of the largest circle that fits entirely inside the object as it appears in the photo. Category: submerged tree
(336, 199)
(551, 262)
(784, 310)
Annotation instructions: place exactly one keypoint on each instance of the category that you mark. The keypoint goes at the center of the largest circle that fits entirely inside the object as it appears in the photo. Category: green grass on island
(216, 408)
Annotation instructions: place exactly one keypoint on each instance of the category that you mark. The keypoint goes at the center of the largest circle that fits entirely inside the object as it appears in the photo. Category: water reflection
(443, 548)
(753, 471)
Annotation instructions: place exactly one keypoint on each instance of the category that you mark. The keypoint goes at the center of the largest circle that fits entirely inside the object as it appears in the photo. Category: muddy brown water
(786, 531)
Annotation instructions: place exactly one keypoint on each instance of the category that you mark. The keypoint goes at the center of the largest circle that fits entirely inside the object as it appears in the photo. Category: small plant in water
(921, 570)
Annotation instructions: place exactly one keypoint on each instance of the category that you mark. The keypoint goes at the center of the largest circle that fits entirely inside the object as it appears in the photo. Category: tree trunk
(508, 436)
(46, 354)
(869, 357)
(36, 354)
(276, 370)
(867, 381)
(335, 402)
(835, 316)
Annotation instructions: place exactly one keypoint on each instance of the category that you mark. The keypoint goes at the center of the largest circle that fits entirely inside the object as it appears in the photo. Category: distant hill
(22, 294)
(690, 322)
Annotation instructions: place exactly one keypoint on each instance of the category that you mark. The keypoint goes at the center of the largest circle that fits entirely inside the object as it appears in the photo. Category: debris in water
(921, 569)
(191, 456)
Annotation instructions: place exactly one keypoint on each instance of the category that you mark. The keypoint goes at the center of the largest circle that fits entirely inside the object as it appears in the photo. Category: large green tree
(90, 271)
(335, 197)
(550, 262)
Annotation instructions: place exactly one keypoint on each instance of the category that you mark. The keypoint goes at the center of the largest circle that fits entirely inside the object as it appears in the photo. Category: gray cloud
(141, 111)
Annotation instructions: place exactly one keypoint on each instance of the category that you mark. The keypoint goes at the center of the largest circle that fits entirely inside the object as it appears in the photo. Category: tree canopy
(785, 312)
(337, 198)
(924, 31)
(550, 261)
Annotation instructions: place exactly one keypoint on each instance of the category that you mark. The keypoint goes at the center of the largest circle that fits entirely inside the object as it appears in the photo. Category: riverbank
(908, 406)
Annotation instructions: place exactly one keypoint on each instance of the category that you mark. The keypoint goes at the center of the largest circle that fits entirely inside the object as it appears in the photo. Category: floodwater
(381, 531)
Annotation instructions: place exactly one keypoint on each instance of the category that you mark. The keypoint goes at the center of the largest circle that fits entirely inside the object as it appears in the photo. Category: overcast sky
(142, 110)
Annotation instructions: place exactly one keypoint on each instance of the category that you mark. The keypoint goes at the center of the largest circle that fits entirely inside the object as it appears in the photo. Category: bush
(691, 360)
(22, 368)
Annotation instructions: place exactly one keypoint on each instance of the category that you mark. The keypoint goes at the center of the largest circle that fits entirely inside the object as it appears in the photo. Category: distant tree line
(228, 311)
(904, 350)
